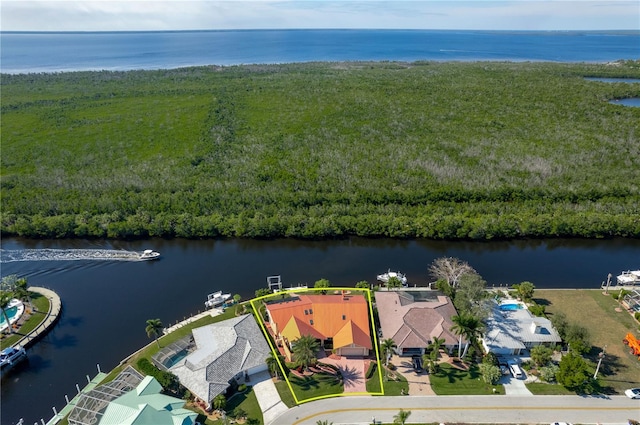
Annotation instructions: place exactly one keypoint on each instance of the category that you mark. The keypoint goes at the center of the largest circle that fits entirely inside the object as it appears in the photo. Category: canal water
(107, 301)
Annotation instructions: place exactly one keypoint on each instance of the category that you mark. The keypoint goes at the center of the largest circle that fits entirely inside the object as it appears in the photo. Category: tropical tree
(471, 296)
(574, 373)
(401, 417)
(325, 422)
(363, 284)
(153, 329)
(435, 347)
(21, 292)
(468, 326)
(450, 269)
(273, 364)
(304, 350)
(322, 283)
(541, 355)
(219, 402)
(394, 282)
(490, 373)
(237, 298)
(5, 299)
(387, 347)
(524, 290)
(578, 338)
(262, 292)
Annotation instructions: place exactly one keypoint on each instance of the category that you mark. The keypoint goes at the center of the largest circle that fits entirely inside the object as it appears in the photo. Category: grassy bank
(607, 325)
(40, 305)
(434, 150)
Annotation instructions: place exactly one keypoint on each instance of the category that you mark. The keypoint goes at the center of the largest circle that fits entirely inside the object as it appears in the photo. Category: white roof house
(224, 351)
(513, 331)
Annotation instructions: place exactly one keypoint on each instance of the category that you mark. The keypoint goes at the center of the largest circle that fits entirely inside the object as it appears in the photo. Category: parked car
(633, 393)
(416, 361)
(504, 369)
(515, 370)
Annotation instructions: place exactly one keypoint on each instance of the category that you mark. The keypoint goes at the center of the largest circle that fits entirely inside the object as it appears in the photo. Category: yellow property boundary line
(276, 353)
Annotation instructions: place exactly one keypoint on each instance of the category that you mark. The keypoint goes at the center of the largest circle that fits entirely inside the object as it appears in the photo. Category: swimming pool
(14, 310)
(510, 307)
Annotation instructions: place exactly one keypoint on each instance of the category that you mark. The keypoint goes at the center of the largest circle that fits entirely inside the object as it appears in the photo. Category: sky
(157, 15)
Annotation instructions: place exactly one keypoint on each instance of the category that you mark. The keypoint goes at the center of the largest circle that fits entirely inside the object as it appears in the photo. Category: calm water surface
(106, 303)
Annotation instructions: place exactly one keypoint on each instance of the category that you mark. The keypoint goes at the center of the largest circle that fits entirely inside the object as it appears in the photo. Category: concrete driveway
(513, 386)
(418, 382)
(353, 372)
(268, 396)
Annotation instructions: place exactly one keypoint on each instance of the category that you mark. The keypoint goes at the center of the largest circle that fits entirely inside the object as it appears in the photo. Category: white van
(515, 371)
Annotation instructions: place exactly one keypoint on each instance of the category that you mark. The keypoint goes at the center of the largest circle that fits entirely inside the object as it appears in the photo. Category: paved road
(478, 409)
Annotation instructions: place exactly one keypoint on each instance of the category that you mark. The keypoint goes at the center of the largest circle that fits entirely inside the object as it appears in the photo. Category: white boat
(384, 277)
(629, 278)
(216, 299)
(149, 254)
(10, 356)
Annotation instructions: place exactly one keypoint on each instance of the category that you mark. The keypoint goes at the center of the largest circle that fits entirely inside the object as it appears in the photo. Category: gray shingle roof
(224, 349)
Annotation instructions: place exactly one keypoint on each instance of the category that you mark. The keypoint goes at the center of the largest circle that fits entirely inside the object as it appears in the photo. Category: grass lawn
(607, 327)
(391, 387)
(248, 402)
(41, 304)
(548, 389)
(451, 381)
(285, 393)
(317, 385)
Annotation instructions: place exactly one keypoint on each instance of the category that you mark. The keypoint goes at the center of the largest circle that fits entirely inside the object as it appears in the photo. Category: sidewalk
(51, 317)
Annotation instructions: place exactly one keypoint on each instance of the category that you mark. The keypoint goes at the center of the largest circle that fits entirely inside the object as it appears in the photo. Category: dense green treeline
(432, 150)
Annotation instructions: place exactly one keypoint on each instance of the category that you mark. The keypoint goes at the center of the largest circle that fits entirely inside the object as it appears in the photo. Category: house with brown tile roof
(413, 317)
(339, 321)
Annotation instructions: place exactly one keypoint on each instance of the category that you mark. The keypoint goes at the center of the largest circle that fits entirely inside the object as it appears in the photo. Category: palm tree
(467, 325)
(401, 417)
(387, 347)
(273, 364)
(435, 346)
(154, 327)
(304, 350)
(394, 282)
(325, 422)
(219, 402)
(5, 299)
(21, 292)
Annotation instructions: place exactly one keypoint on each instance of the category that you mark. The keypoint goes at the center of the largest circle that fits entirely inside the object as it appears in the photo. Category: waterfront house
(513, 331)
(216, 356)
(130, 399)
(339, 321)
(413, 317)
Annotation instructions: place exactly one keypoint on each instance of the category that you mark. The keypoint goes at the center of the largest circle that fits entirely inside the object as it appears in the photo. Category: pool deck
(50, 319)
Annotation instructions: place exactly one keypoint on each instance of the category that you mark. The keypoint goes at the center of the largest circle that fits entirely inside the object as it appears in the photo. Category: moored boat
(11, 356)
(629, 278)
(389, 274)
(149, 254)
(216, 299)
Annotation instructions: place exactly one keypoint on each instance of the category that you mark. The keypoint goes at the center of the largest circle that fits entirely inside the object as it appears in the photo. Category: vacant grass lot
(597, 312)
(435, 150)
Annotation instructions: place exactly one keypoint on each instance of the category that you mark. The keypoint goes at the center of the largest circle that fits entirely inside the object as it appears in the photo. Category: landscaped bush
(168, 380)
(537, 310)
(373, 367)
(391, 366)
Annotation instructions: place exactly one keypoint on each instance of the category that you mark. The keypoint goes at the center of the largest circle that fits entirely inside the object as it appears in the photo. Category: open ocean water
(28, 52)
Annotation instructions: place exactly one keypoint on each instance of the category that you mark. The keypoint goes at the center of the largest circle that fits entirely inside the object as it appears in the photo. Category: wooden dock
(51, 317)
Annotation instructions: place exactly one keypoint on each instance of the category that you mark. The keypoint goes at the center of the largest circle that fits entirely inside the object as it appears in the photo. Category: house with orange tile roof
(413, 317)
(339, 322)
